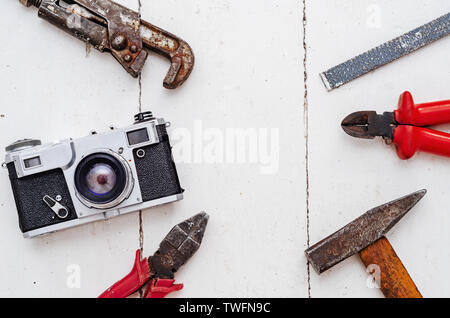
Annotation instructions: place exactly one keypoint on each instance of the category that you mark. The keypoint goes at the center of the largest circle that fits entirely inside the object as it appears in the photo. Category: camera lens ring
(120, 188)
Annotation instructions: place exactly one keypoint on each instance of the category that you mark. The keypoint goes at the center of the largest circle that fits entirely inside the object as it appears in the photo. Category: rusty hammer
(366, 236)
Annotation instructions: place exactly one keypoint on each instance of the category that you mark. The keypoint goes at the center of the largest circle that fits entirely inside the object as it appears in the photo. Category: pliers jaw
(178, 247)
(369, 124)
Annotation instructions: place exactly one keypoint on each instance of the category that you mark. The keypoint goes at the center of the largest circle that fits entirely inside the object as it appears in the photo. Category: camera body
(73, 182)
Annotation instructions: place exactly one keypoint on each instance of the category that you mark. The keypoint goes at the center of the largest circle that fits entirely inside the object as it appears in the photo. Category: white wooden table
(249, 75)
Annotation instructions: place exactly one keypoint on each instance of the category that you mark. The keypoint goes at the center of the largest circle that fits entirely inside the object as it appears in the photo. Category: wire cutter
(158, 271)
(405, 126)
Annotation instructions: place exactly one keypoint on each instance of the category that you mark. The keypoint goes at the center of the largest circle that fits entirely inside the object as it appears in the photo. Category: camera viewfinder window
(32, 162)
(138, 136)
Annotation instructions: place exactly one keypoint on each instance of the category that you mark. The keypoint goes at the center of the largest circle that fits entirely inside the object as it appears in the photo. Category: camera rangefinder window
(138, 136)
(100, 178)
(32, 162)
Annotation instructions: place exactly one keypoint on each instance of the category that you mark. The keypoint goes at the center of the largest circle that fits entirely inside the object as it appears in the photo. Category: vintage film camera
(73, 182)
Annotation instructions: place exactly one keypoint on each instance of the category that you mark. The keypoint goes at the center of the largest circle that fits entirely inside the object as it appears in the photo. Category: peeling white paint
(149, 34)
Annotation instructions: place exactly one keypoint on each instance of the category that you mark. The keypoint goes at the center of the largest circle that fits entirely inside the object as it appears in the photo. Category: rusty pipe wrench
(110, 27)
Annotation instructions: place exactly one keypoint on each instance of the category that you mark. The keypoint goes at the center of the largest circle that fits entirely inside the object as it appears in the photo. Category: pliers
(405, 126)
(158, 270)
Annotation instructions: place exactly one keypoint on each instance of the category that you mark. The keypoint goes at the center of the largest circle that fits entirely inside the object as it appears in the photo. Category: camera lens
(102, 180)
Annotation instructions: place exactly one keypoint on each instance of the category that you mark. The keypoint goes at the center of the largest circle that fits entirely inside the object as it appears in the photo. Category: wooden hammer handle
(395, 280)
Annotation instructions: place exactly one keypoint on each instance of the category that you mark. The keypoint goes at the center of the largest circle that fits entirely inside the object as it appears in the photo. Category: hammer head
(360, 233)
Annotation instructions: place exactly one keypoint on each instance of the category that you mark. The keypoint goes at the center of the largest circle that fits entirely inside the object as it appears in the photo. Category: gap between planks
(306, 123)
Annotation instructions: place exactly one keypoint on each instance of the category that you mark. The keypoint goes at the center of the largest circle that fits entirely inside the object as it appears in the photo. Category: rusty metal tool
(366, 236)
(158, 271)
(387, 52)
(110, 27)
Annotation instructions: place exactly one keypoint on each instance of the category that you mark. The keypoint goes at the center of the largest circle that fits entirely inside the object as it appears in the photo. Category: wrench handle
(395, 281)
(425, 114)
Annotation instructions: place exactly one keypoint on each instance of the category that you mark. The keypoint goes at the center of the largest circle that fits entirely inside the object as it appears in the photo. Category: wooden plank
(349, 176)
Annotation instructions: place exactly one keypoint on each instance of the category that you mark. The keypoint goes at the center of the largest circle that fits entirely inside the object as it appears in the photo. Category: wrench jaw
(176, 50)
(182, 63)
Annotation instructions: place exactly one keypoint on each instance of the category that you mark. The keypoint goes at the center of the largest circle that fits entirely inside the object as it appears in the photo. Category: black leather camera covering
(156, 171)
(29, 192)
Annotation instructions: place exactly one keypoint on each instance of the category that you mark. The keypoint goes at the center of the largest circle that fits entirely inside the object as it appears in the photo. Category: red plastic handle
(138, 276)
(410, 139)
(160, 288)
(426, 114)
